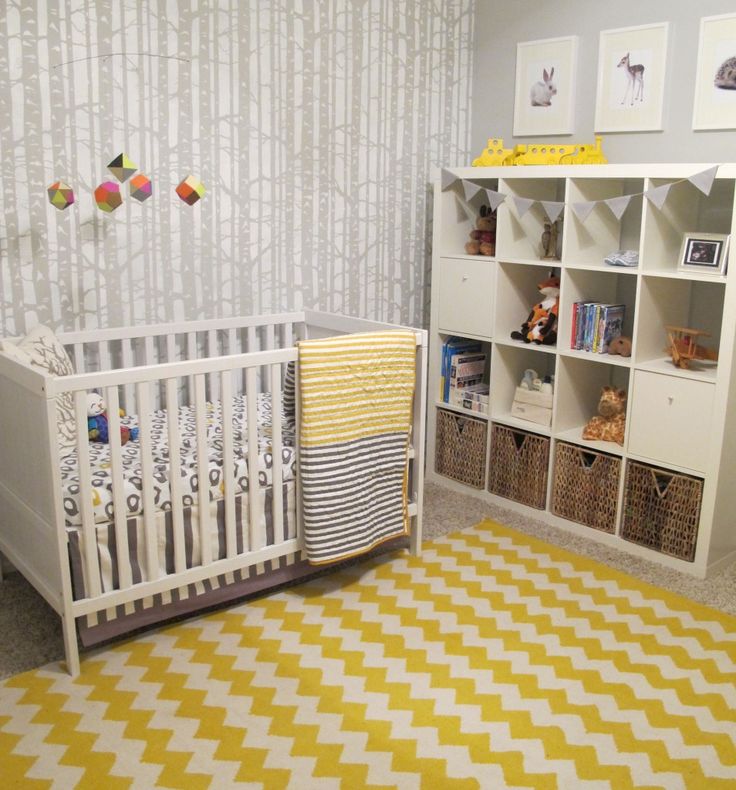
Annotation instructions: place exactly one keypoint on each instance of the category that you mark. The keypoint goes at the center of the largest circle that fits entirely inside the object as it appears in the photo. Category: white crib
(207, 543)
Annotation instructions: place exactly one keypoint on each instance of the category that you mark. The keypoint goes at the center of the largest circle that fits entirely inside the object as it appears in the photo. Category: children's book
(466, 370)
(453, 345)
(612, 325)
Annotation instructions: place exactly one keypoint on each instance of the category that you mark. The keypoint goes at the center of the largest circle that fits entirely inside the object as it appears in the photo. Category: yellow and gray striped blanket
(356, 412)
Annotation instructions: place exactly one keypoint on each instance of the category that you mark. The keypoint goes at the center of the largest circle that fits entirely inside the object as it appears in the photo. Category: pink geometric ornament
(141, 187)
(61, 195)
(107, 196)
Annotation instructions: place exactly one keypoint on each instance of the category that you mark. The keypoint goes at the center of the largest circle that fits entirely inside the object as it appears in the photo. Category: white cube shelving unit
(681, 423)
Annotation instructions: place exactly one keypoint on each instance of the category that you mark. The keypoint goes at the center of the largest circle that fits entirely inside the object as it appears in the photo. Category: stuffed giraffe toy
(610, 422)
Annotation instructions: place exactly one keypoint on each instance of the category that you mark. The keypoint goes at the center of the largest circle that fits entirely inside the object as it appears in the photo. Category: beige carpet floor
(31, 632)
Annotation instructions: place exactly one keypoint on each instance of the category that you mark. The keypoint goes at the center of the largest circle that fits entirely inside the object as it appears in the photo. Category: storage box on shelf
(680, 421)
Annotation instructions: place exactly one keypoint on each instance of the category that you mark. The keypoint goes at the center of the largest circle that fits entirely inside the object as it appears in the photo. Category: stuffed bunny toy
(542, 92)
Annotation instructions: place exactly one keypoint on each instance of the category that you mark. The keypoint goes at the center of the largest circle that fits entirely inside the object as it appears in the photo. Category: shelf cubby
(686, 210)
(458, 216)
(677, 302)
(519, 238)
(578, 391)
(608, 287)
(517, 292)
(588, 243)
(508, 365)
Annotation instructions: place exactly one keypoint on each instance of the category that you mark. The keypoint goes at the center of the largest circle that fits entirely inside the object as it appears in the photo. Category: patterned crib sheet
(130, 452)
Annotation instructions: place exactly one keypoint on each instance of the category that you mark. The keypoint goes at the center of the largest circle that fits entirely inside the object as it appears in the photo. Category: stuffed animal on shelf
(483, 238)
(97, 427)
(620, 345)
(540, 326)
(610, 422)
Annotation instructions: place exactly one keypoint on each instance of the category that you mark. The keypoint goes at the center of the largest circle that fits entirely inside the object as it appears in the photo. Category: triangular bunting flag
(553, 208)
(618, 205)
(448, 179)
(704, 180)
(583, 209)
(471, 190)
(522, 205)
(494, 198)
(657, 195)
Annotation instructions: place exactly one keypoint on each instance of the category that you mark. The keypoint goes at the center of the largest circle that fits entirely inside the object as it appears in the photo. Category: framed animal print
(632, 64)
(714, 106)
(544, 97)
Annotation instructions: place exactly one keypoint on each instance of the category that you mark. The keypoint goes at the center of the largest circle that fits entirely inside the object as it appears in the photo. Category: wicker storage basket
(585, 486)
(662, 509)
(460, 451)
(518, 467)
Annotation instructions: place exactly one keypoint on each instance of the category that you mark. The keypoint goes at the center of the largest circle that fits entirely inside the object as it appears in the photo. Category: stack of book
(463, 374)
(595, 324)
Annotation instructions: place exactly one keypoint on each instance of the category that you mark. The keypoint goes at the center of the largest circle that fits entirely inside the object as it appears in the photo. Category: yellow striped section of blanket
(356, 396)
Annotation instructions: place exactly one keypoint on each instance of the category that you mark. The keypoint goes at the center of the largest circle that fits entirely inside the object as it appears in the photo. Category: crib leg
(70, 645)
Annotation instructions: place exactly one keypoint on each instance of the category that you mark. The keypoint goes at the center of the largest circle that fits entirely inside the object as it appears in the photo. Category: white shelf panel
(602, 267)
(700, 371)
(459, 410)
(461, 256)
(545, 263)
(689, 276)
(589, 356)
(509, 343)
(575, 436)
(508, 419)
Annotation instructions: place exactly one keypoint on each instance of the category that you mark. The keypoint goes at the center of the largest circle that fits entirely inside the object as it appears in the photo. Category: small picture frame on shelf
(706, 253)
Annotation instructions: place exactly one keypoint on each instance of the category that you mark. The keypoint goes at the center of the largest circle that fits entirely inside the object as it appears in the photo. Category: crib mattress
(131, 461)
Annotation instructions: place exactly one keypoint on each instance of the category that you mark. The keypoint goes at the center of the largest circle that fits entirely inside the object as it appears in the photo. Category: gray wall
(501, 24)
(315, 128)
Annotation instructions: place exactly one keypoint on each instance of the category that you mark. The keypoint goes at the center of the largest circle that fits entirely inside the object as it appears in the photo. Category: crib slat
(143, 393)
(231, 341)
(252, 433)
(288, 335)
(118, 490)
(228, 456)
(86, 508)
(79, 365)
(103, 355)
(270, 337)
(171, 348)
(203, 471)
(251, 335)
(148, 351)
(175, 487)
(213, 350)
(191, 354)
(127, 351)
(276, 444)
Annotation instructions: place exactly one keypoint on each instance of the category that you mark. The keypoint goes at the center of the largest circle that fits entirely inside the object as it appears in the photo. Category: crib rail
(135, 542)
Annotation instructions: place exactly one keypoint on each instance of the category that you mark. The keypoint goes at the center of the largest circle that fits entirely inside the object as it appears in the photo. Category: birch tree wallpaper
(315, 128)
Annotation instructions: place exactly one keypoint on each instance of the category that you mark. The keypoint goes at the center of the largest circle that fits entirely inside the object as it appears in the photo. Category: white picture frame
(632, 63)
(544, 94)
(704, 253)
(714, 107)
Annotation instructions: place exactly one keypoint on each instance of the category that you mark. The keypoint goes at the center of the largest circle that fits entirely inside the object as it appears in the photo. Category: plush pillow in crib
(41, 349)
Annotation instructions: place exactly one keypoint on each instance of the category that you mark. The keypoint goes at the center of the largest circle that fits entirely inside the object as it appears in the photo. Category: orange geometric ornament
(190, 190)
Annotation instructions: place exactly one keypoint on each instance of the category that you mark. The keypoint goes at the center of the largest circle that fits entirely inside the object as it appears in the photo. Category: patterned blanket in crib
(101, 467)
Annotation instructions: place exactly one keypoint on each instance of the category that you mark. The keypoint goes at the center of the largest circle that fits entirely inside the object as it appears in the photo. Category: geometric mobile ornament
(122, 168)
(61, 195)
(190, 190)
(107, 196)
(140, 187)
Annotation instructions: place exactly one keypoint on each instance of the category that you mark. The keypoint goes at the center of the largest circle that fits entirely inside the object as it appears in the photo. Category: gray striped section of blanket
(353, 495)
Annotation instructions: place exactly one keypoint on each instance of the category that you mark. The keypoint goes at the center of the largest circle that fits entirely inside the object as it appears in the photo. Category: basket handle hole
(587, 459)
(662, 482)
(519, 439)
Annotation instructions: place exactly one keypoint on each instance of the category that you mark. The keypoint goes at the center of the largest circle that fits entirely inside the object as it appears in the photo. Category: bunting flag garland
(553, 208)
(523, 204)
(704, 180)
(470, 189)
(494, 198)
(657, 195)
(618, 205)
(583, 208)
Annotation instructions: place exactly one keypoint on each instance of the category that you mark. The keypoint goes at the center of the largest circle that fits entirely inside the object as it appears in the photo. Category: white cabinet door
(671, 419)
(466, 296)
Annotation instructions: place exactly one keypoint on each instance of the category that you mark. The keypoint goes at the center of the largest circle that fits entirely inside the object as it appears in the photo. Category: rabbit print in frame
(631, 76)
(715, 78)
(544, 100)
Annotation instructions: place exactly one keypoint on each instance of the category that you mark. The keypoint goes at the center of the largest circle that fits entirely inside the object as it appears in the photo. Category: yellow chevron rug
(492, 661)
